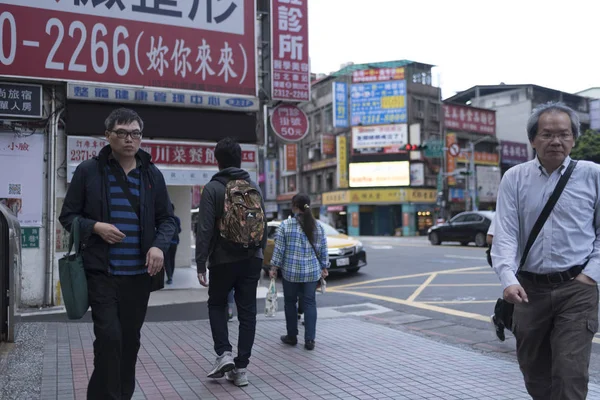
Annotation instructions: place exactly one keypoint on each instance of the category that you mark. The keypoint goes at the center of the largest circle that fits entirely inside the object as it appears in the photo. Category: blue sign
(378, 103)
(340, 105)
(163, 97)
(456, 194)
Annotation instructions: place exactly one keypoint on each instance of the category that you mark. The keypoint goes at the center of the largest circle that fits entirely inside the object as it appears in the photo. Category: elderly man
(555, 293)
(127, 223)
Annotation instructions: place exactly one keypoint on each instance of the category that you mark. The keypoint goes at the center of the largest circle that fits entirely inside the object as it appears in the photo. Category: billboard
(207, 46)
(182, 163)
(385, 139)
(378, 75)
(340, 105)
(289, 122)
(378, 174)
(378, 103)
(290, 78)
(470, 119)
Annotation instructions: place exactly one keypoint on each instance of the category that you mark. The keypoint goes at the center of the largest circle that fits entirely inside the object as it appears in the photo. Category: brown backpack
(242, 224)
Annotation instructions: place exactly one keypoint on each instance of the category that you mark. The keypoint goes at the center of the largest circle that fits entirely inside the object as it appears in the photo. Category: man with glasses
(555, 294)
(126, 224)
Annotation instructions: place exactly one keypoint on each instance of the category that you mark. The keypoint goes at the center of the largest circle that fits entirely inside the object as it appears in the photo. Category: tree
(587, 147)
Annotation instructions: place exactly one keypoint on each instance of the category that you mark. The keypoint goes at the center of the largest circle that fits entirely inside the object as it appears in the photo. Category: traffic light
(415, 147)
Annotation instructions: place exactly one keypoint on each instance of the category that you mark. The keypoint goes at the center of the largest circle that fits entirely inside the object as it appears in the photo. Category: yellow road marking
(417, 285)
(429, 307)
(448, 271)
(417, 292)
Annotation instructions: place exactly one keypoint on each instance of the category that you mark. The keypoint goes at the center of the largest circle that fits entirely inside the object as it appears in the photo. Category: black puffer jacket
(88, 199)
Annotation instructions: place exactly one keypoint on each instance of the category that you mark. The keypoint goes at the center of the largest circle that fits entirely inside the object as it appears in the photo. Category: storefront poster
(22, 176)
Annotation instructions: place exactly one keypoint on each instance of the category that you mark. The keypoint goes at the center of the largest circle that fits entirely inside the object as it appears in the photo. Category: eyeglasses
(563, 137)
(123, 133)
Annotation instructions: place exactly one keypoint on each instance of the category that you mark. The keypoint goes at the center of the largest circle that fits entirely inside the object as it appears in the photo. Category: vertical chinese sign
(291, 157)
(270, 179)
(289, 50)
(327, 144)
(342, 158)
(340, 105)
(450, 159)
(204, 46)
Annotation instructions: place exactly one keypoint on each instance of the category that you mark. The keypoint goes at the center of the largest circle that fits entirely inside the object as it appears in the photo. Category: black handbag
(157, 282)
(503, 311)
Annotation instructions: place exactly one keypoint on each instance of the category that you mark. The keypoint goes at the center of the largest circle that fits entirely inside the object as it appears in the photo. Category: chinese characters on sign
(327, 144)
(342, 157)
(30, 238)
(379, 196)
(480, 158)
(378, 103)
(470, 119)
(378, 75)
(289, 44)
(340, 105)
(379, 139)
(206, 46)
(173, 154)
(514, 153)
(450, 159)
(291, 157)
(18, 100)
(289, 122)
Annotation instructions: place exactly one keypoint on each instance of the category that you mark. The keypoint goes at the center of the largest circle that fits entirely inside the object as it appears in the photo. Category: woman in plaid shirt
(301, 253)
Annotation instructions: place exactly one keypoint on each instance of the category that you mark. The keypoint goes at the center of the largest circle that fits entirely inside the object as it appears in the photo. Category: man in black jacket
(127, 223)
(228, 269)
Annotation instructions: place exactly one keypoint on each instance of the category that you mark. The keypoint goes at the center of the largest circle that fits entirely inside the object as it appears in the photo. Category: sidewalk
(354, 359)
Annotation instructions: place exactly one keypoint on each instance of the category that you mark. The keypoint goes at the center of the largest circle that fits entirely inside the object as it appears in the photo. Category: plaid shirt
(295, 255)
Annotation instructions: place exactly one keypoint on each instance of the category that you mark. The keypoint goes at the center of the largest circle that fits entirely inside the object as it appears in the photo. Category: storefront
(383, 212)
(338, 217)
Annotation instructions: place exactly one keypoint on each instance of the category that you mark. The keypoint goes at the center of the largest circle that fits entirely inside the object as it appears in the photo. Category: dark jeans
(554, 333)
(170, 261)
(119, 305)
(242, 276)
(291, 290)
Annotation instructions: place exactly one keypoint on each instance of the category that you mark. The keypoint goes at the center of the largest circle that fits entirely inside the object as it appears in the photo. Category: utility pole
(472, 181)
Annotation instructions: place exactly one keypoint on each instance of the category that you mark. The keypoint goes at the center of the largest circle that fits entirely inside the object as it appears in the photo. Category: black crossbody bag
(158, 280)
(503, 311)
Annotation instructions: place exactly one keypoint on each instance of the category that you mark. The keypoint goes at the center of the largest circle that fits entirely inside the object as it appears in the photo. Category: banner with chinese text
(340, 105)
(207, 46)
(291, 157)
(450, 159)
(342, 159)
(290, 78)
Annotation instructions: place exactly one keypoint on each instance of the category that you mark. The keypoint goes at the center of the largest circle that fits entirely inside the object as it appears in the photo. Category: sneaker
(309, 345)
(224, 363)
(237, 376)
(498, 328)
(169, 281)
(291, 340)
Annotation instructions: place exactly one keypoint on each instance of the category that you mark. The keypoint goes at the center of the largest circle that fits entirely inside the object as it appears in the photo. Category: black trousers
(170, 261)
(243, 276)
(119, 305)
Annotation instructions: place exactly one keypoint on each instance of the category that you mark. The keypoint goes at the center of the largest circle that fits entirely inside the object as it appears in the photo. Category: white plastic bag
(323, 285)
(271, 300)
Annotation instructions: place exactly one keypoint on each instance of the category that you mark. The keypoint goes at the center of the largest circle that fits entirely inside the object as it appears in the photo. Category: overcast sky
(471, 42)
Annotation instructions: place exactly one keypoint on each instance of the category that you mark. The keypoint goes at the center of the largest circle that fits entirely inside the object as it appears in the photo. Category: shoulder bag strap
(311, 243)
(125, 188)
(539, 223)
(74, 236)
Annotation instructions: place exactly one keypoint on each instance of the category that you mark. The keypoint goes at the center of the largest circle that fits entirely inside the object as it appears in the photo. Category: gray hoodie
(207, 231)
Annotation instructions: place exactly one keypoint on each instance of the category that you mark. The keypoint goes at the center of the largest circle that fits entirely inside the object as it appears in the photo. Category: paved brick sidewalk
(354, 359)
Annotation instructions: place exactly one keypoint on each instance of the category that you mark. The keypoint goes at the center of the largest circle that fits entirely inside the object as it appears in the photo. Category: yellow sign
(342, 167)
(392, 102)
(380, 196)
(328, 162)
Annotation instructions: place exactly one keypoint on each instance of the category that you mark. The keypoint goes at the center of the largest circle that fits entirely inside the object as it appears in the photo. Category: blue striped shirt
(294, 254)
(125, 258)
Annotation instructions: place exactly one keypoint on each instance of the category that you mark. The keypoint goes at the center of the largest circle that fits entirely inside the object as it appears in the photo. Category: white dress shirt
(571, 234)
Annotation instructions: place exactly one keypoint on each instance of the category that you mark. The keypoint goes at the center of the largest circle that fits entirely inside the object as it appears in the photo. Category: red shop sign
(290, 64)
(289, 122)
(207, 46)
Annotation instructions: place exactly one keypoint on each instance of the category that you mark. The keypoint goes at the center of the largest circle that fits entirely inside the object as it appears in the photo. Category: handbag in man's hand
(503, 311)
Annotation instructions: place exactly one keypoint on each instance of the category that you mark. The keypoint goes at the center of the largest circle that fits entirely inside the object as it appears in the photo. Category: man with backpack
(231, 235)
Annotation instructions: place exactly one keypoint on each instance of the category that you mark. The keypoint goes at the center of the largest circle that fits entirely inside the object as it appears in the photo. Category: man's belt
(554, 278)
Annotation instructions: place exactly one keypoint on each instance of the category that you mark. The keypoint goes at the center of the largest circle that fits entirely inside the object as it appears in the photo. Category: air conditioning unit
(420, 115)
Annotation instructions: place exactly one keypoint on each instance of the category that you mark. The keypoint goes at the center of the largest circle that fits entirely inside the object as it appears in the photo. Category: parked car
(465, 228)
(344, 252)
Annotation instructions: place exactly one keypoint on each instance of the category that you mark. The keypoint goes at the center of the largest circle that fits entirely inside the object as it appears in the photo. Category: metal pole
(473, 183)
(51, 233)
